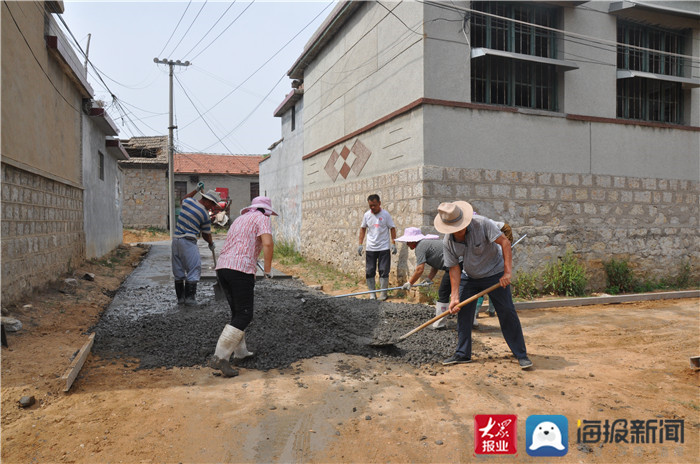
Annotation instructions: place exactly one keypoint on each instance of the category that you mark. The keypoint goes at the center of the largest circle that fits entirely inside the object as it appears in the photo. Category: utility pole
(171, 148)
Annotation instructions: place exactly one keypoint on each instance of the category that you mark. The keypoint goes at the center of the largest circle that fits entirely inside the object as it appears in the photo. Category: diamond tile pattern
(353, 159)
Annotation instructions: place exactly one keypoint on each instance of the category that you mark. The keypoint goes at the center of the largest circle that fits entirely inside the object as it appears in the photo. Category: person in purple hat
(249, 234)
(428, 250)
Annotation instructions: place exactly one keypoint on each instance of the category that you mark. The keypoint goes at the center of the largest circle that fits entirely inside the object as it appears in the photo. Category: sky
(240, 53)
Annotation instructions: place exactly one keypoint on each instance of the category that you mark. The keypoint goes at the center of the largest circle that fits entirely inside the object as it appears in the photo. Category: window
(649, 84)
(294, 117)
(254, 190)
(180, 190)
(102, 166)
(514, 64)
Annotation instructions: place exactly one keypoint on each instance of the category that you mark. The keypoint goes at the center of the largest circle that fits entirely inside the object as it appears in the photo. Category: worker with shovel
(378, 225)
(428, 250)
(476, 239)
(249, 234)
(192, 221)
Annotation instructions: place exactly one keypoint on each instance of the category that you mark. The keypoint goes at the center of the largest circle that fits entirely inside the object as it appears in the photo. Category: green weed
(620, 278)
(526, 285)
(566, 276)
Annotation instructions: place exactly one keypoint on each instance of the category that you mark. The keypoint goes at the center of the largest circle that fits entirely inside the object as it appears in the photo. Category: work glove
(427, 282)
(393, 248)
(200, 186)
(406, 286)
(268, 275)
(212, 246)
(359, 250)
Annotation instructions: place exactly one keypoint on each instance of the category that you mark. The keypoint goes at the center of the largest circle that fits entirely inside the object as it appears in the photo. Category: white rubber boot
(439, 309)
(241, 351)
(383, 284)
(228, 340)
(371, 286)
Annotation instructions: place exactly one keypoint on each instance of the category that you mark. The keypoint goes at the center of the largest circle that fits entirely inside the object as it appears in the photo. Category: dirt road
(626, 361)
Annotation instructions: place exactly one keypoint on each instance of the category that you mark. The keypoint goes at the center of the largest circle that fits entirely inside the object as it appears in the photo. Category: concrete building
(576, 122)
(233, 176)
(281, 173)
(102, 180)
(145, 191)
(60, 179)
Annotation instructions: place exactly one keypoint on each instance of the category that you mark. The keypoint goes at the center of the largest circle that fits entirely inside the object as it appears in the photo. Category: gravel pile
(291, 322)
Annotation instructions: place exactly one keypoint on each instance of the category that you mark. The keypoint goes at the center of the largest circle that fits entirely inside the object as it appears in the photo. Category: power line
(77, 110)
(261, 66)
(212, 28)
(560, 31)
(231, 24)
(176, 26)
(252, 112)
(188, 29)
(187, 94)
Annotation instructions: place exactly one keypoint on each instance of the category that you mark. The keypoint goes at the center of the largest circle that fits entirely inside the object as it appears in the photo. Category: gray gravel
(291, 322)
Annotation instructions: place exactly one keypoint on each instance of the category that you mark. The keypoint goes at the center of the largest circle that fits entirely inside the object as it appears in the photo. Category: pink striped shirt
(243, 243)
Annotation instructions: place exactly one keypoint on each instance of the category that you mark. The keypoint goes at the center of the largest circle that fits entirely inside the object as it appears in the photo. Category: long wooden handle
(213, 255)
(460, 305)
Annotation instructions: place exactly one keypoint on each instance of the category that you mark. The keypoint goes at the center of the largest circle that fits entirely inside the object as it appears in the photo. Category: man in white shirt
(379, 227)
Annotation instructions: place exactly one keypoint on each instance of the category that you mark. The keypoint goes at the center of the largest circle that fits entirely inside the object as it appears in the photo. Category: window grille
(650, 98)
(508, 81)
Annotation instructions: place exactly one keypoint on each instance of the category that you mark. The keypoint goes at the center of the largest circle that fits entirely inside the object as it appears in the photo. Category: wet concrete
(291, 322)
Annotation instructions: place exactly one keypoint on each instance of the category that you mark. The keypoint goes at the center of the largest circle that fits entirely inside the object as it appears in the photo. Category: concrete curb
(599, 300)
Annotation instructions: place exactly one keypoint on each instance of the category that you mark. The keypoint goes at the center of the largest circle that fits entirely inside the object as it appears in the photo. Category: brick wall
(651, 222)
(42, 231)
(145, 198)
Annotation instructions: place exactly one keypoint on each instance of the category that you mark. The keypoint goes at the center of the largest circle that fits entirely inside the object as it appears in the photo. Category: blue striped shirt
(193, 218)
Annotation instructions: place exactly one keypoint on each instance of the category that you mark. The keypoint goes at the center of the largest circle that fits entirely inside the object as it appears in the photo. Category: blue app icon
(547, 435)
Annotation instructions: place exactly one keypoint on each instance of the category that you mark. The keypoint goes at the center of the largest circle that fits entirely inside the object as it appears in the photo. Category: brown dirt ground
(604, 362)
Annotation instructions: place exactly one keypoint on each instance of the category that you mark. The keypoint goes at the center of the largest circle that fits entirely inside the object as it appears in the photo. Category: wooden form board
(74, 369)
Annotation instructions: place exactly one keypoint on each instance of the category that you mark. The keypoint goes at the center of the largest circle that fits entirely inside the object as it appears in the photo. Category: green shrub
(566, 276)
(287, 253)
(526, 285)
(429, 294)
(619, 276)
(685, 274)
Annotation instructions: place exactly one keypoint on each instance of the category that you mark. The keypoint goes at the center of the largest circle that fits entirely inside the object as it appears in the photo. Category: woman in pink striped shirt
(249, 234)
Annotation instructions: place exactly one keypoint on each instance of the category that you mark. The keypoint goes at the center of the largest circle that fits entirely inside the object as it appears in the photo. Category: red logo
(495, 434)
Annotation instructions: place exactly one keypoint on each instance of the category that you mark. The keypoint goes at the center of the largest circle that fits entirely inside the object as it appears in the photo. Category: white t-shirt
(378, 230)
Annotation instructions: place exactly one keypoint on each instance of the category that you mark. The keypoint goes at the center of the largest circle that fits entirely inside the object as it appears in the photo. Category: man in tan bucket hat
(476, 239)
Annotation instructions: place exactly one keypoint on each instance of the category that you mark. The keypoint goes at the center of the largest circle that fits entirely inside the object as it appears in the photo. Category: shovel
(218, 291)
(424, 284)
(380, 343)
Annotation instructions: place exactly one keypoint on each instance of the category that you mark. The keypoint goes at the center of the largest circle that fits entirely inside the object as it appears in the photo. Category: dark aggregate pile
(291, 322)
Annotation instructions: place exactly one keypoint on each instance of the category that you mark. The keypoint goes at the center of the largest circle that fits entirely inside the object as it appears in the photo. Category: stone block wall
(145, 198)
(653, 223)
(42, 231)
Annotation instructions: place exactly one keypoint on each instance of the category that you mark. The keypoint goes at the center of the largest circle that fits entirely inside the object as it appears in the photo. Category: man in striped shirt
(192, 221)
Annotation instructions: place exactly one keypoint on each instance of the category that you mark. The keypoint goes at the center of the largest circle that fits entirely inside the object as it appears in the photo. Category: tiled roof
(200, 163)
(146, 150)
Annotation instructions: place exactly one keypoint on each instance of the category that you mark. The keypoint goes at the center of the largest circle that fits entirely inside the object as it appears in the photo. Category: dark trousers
(374, 258)
(239, 289)
(505, 310)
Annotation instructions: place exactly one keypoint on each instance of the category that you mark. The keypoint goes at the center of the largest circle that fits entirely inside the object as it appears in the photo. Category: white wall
(102, 198)
(281, 179)
(371, 69)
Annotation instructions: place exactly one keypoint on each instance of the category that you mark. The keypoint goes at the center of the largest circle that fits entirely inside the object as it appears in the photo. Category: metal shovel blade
(381, 342)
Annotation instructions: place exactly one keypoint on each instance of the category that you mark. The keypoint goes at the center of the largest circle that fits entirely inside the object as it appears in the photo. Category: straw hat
(453, 217)
(212, 195)
(413, 234)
